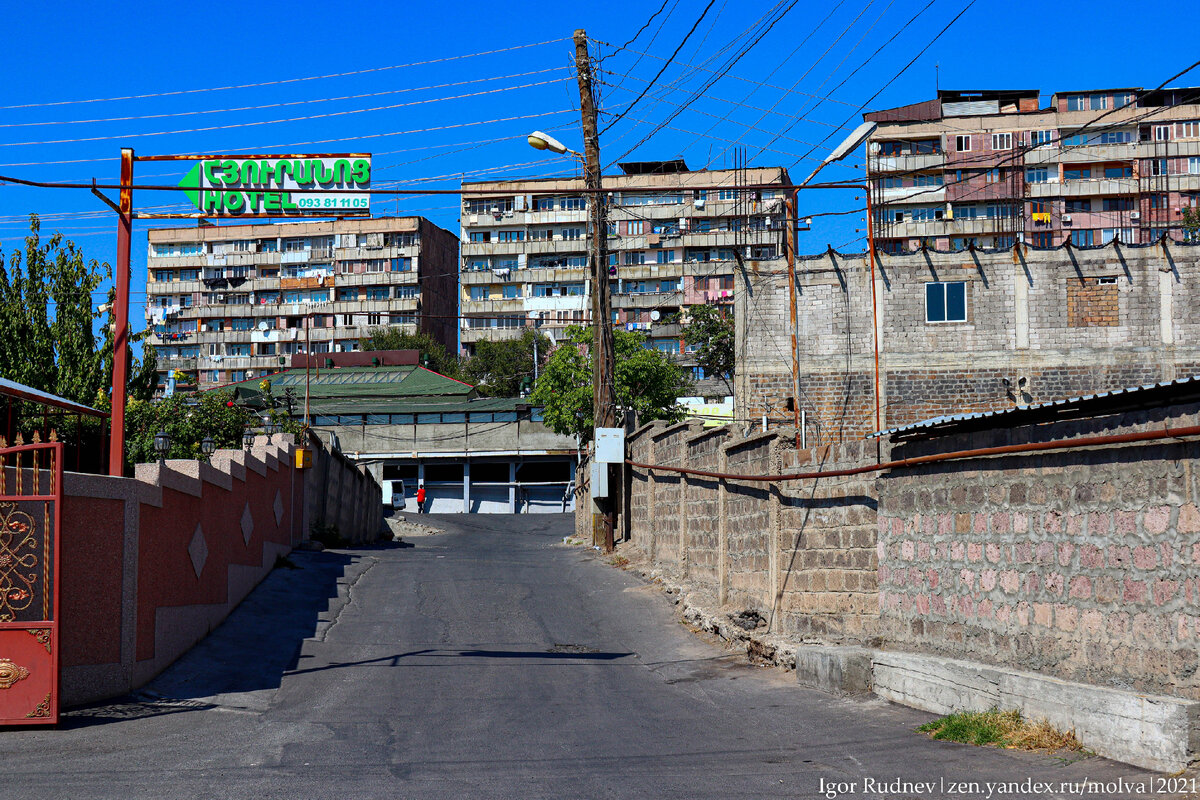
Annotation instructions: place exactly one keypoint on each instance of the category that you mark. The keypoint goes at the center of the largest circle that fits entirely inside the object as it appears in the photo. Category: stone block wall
(801, 554)
(1067, 321)
(1081, 564)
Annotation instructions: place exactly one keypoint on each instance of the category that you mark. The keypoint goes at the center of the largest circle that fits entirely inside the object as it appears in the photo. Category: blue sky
(434, 104)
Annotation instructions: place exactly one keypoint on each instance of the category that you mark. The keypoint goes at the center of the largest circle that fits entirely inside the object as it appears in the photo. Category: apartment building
(231, 302)
(991, 168)
(671, 246)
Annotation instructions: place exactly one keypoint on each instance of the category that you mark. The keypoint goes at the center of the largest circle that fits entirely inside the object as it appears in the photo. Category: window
(635, 257)
(1082, 238)
(242, 324)
(1040, 138)
(1122, 99)
(268, 245)
(1002, 141)
(1119, 171)
(1115, 137)
(1158, 166)
(375, 265)
(179, 249)
(574, 204)
(401, 265)
(927, 146)
(1118, 204)
(727, 194)
(946, 301)
(574, 234)
(1189, 130)
(1077, 173)
(635, 228)
(995, 175)
(891, 148)
(1158, 201)
(479, 292)
(1037, 174)
(962, 143)
(405, 292)
(1162, 133)
(1098, 102)
(665, 256)
(237, 349)
(510, 236)
(1076, 102)
(892, 183)
(1077, 206)
(927, 213)
(1037, 207)
(665, 228)
(378, 292)
(931, 179)
(481, 236)
(163, 275)
(1108, 234)
(1043, 240)
(1001, 211)
(1193, 167)
(965, 212)
(511, 291)
(189, 274)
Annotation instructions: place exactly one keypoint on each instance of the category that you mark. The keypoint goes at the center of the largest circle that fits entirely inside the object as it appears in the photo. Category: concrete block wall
(801, 554)
(340, 492)
(1077, 564)
(1068, 321)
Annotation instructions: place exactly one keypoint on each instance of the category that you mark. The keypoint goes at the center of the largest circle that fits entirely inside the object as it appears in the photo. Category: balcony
(1083, 188)
(315, 282)
(905, 163)
(914, 194)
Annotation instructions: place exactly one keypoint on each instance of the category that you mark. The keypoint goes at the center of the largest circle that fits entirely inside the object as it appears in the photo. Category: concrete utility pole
(603, 386)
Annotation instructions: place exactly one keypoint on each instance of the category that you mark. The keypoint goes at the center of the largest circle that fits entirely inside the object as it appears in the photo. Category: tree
(434, 355)
(1191, 222)
(187, 419)
(647, 381)
(59, 353)
(499, 368)
(712, 333)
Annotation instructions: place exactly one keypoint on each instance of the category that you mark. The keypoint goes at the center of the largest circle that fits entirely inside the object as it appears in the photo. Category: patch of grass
(1006, 729)
(621, 562)
(282, 561)
(326, 534)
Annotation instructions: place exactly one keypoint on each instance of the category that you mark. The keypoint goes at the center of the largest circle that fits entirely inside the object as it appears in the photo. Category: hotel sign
(280, 186)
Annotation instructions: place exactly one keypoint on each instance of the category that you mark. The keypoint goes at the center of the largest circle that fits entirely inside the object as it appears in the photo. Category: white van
(393, 494)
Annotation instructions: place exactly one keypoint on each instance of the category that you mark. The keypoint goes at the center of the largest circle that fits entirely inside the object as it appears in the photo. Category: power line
(285, 120)
(281, 104)
(289, 80)
(637, 99)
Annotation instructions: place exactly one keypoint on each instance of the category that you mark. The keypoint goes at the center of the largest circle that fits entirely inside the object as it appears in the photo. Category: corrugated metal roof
(1148, 395)
(413, 406)
(23, 392)
(359, 382)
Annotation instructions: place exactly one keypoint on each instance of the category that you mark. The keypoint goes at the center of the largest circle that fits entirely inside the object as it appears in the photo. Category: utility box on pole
(610, 446)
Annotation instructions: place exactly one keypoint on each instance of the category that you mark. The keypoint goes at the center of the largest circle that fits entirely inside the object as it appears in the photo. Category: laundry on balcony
(235, 282)
(1041, 217)
(502, 272)
(215, 283)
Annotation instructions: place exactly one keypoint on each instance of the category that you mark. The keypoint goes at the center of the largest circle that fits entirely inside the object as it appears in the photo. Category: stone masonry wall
(1079, 564)
(801, 554)
(1067, 321)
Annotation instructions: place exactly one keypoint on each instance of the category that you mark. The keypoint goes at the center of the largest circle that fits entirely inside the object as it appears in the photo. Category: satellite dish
(262, 326)
(654, 315)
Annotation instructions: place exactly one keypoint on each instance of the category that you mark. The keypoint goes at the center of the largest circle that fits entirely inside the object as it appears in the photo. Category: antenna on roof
(937, 78)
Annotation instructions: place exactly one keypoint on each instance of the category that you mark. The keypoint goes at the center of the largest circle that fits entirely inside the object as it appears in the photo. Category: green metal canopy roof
(367, 386)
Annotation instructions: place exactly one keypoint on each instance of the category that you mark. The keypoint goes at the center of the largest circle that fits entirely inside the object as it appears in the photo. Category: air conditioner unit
(1135, 215)
(1066, 218)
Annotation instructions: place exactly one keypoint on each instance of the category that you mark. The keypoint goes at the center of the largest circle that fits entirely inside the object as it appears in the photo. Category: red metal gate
(30, 508)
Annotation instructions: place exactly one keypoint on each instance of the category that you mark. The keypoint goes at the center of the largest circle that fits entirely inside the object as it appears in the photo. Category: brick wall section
(1038, 315)
(1078, 564)
(702, 509)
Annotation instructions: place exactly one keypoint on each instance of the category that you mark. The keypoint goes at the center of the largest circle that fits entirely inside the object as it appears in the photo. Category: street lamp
(544, 141)
(248, 439)
(162, 444)
(208, 446)
(272, 428)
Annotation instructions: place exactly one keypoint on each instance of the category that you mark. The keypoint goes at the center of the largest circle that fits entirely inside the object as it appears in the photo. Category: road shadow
(242, 660)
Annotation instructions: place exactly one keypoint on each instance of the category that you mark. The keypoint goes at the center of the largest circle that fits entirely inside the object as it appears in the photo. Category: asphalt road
(489, 661)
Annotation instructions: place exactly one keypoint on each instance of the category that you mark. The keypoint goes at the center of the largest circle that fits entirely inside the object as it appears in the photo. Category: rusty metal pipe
(1029, 447)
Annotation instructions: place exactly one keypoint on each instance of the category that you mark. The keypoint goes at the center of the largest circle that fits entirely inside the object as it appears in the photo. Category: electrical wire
(288, 80)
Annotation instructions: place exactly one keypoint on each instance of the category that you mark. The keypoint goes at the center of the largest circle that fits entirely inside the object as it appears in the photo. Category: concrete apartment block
(1033, 325)
(231, 302)
(671, 246)
(993, 168)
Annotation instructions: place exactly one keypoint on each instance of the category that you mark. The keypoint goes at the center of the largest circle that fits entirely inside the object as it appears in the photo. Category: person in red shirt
(421, 499)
